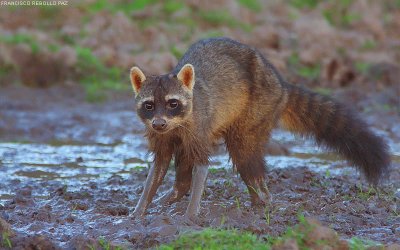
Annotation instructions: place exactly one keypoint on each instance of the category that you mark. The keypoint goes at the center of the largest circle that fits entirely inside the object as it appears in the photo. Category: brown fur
(337, 128)
(238, 96)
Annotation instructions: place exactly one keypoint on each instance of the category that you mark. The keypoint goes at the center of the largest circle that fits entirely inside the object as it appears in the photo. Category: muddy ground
(72, 172)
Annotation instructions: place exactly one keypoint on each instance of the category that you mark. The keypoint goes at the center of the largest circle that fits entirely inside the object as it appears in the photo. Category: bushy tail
(337, 128)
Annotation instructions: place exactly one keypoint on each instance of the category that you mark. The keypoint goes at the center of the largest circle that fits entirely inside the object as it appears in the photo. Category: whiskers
(185, 128)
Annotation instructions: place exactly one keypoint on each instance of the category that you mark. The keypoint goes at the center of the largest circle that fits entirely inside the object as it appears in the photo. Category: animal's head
(163, 102)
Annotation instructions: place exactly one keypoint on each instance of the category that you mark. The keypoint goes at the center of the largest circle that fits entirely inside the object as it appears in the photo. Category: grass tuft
(234, 239)
(356, 243)
(339, 13)
(216, 239)
(253, 5)
(303, 4)
(21, 39)
(6, 242)
(310, 72)
(96, 77)
(222, 17)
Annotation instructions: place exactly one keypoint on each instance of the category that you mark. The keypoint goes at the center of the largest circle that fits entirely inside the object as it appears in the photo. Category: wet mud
(72, 172)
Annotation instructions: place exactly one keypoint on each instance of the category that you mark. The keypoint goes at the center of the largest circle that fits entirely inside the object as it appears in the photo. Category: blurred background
(92, 44)
(72, 151)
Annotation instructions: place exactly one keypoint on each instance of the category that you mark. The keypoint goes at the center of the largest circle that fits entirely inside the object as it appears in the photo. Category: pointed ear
(186, 76)
(137, 78)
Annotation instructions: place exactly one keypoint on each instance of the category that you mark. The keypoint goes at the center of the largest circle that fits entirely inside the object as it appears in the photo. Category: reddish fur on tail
(338, 128)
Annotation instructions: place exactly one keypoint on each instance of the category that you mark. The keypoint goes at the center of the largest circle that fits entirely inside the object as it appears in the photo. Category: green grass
(6, 242)
(96, 77)
(115, 6)
(177, 52)
(103, 245)
(98, 5)
(229, 183)
(168, 7)
(253, 5)
(298, 233)
(53, 47)
(365, 194)
(356, 243)
(139, 168)
(369, 45)
(340, 20)
(233, 239)
(5, 69)
(216, 239)
(323, 91)
(212, 33)
(223, 17)
(302, 4)
(339, 13)
(362, 67)
(91, 72)
(63, 38)
(237, 201)
(267, 215)
(213, 170)
(21, 39)
(171, 7)
(310, 72)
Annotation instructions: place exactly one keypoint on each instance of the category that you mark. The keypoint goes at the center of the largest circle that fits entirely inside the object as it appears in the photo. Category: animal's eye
(173, 103)
(149, 106)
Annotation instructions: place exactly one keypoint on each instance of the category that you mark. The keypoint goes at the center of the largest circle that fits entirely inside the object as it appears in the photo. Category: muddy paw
(137, 214)
(191, 220)
(261, 199)
(171, 196)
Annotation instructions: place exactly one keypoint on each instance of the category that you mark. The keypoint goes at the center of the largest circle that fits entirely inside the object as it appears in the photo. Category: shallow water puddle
(74, 163)
(74, 194)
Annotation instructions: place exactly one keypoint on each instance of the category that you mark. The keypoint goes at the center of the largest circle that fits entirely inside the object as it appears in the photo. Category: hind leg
(183, 179)
(247, 154)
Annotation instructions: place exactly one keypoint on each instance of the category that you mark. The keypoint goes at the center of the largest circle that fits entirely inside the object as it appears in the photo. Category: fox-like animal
(223, 89)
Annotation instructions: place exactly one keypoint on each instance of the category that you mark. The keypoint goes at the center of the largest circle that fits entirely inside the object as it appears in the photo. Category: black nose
(159, 124)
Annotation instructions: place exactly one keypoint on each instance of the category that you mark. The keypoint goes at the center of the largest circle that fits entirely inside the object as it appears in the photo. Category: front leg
(183, 179)
(196, 191)
(153, 181)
